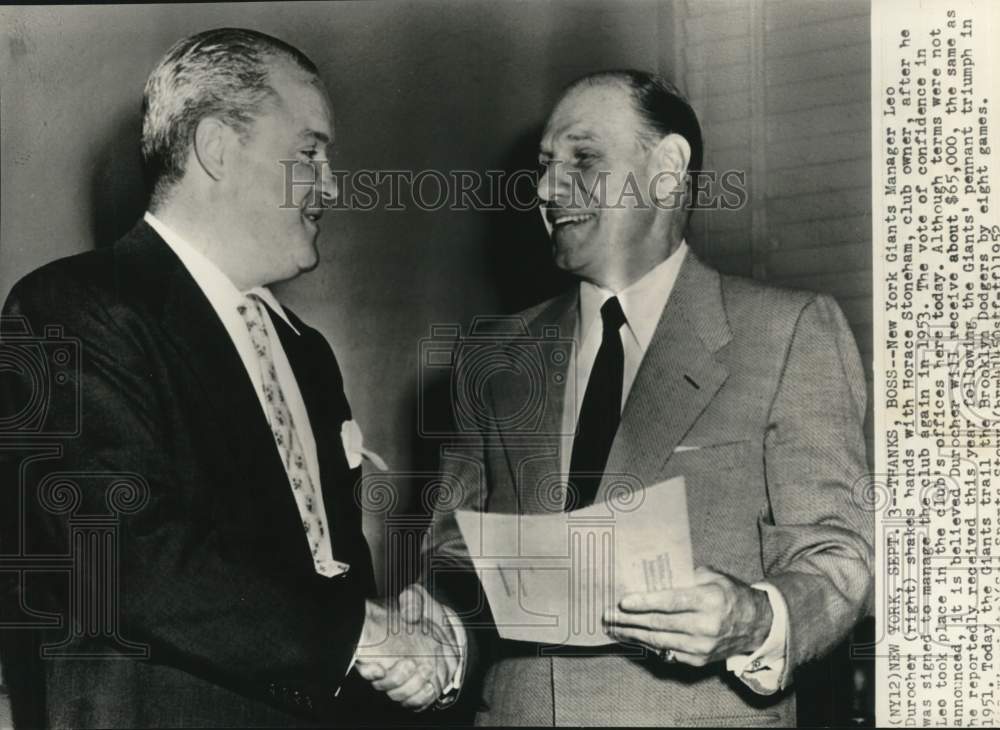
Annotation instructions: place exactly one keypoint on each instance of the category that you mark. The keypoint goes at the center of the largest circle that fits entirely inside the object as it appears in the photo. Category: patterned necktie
(287, 440)
(599, 412)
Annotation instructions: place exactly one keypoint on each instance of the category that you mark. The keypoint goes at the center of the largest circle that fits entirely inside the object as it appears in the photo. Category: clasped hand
(408, 650)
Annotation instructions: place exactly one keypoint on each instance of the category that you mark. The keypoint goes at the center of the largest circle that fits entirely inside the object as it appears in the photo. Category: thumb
(703, 574)
(370, 670)
(411, 603)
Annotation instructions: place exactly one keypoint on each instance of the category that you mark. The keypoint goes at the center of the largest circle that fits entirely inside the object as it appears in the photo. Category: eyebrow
(545, 151)
(311, 134)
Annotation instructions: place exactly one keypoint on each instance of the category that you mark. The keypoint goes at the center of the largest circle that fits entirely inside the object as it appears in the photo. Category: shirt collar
(222, 294)
(642, 301)
(271, 301)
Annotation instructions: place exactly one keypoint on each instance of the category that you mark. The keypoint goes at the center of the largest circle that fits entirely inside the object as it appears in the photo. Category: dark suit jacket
(764, 391)
(213, 572)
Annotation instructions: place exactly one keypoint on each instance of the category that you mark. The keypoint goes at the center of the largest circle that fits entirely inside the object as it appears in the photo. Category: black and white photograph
(477, 362)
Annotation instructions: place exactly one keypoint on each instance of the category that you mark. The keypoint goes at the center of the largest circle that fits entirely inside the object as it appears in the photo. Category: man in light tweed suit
(754, 394)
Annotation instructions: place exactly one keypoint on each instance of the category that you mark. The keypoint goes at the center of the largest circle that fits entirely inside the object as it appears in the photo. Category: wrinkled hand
(397, 659)
(711, 621)
(415, 662)
(418, 607)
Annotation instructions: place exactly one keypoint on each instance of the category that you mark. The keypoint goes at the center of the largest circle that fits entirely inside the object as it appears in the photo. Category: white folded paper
(549, 578)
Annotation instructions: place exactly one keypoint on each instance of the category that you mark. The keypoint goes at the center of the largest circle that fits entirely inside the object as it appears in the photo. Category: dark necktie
(600, 412)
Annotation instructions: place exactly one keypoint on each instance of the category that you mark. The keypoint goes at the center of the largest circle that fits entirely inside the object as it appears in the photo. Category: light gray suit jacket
(765, 391)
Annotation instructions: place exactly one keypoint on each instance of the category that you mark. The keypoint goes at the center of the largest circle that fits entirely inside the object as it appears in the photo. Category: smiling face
(275, 222)
(595, 187)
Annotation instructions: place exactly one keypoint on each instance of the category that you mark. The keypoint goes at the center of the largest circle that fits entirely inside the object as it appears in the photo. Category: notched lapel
(678, 378)
(533, 451)
(203, 345)
(326, 407)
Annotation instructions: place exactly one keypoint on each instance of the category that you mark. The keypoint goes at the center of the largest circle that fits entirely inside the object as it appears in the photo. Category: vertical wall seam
(759, 240)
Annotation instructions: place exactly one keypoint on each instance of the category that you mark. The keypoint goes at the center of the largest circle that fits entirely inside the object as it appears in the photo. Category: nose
(544, 187)
(328, 188)
(548, 183)
(555, 184)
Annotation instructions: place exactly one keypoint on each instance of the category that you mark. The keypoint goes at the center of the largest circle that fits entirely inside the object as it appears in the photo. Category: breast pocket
(692, 459)
(725, 495)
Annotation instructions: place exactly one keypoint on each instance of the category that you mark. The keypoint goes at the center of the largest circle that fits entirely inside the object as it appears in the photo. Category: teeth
(572, 218)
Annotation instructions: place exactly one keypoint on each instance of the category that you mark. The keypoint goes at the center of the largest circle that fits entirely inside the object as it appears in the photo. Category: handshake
(409, 649)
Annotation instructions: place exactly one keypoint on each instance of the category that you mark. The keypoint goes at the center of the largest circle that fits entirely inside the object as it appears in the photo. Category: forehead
(603, 112)
(301, 98)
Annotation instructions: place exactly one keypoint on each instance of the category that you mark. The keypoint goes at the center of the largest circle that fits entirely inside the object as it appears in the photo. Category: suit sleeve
(450, 576)
(817, 537)
(186, 589)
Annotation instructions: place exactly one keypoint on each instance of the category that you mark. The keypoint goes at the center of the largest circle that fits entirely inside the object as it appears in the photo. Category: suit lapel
(233, 426)
(327, 409)
(322, 388)
(191, 326)
(678, 377)
(533, 452)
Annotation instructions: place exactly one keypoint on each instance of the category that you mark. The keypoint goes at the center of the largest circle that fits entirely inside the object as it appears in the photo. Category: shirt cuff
(762, 670)
(450, 693)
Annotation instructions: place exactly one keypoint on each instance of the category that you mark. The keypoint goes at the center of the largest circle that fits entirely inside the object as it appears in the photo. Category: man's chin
(562, 258)
(308, 258)
(309, 263)
(570, 258)
(301, 265)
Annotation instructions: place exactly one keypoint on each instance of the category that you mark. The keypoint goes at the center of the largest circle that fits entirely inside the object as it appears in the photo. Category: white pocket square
(354, 447)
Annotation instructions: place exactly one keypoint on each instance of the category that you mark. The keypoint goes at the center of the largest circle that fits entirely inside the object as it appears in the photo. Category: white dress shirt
(224, 297)
(643, 303)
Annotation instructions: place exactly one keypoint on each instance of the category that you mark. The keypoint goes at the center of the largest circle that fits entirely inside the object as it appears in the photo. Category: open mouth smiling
(562, 221)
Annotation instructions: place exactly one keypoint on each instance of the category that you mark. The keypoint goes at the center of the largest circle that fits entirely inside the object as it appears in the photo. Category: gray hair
(223, 73)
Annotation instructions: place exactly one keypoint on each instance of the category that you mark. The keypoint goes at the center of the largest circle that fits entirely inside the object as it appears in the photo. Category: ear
(669, 163)
(211, 146)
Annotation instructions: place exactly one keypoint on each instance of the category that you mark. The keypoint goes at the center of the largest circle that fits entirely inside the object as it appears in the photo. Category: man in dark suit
(753, 394)
(213, 426)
